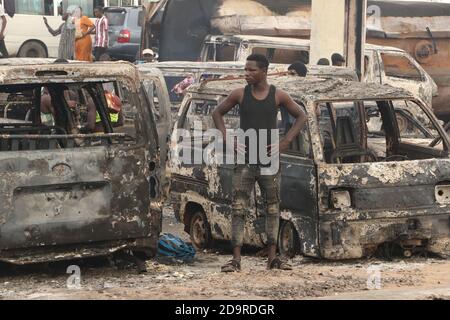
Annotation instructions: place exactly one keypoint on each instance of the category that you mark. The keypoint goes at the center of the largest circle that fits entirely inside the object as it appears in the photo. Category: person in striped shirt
(101, 33)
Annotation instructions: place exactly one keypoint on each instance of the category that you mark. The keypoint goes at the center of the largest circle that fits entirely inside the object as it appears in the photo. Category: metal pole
(356, 35)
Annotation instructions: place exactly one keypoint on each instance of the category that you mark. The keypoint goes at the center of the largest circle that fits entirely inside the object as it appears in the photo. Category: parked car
(340, 198)
(70, 189)
(384, 65)
(125, 27)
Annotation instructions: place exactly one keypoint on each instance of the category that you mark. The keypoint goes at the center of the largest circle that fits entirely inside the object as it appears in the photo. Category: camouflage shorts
(245, 177)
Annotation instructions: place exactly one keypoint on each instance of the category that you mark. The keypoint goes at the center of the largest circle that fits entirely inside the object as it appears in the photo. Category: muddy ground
(415, 278)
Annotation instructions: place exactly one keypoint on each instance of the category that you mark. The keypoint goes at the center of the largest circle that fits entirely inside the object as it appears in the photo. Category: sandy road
(417, 278)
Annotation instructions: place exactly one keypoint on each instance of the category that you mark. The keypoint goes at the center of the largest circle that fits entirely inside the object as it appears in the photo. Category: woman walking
(83, 42)
(66, 48)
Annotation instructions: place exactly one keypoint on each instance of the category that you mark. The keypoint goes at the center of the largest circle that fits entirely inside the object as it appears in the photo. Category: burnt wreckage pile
(349, 182)
(75, 174)
(81, 180)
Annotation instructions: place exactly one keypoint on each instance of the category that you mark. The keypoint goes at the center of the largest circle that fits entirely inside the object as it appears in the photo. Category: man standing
(3, 23)
(66, 49)
(101, 33)
(259, 105)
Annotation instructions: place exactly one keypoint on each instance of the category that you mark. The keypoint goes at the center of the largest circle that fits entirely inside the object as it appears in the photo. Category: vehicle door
(299, 188)
(362, 188)
(156, 95)
(62, 185)
(212, 170)
(372, 67)
(243, 51)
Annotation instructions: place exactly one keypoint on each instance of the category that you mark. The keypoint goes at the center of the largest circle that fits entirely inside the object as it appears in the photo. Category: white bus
(26, 34)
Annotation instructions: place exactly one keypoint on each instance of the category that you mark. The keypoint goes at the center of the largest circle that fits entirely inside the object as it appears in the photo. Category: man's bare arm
(222, 109)
(297, 112)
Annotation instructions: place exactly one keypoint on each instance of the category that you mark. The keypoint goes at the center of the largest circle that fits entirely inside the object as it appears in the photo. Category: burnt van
(370, 173)
(383, 65)
(80, 170)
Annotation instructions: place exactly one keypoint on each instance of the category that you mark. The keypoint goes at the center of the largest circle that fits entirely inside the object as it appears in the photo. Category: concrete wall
(327, 29)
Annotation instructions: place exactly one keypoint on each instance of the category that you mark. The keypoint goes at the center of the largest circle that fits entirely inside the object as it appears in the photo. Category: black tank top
(258, 114)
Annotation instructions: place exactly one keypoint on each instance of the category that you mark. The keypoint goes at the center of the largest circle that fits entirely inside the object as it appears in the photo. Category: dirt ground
(415, 278)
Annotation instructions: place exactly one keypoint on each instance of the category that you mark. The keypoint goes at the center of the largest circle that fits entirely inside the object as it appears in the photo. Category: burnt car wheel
(200, 231)
(288, 240)
(32, 49)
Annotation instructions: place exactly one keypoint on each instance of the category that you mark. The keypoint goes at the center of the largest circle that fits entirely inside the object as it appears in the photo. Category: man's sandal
(232, 266)
(278, 264)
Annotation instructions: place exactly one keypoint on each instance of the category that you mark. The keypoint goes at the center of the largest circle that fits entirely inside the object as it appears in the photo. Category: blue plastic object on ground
(174, 247)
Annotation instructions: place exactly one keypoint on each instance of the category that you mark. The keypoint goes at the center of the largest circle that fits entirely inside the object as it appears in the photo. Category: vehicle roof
(312, 89)
(149, 69)
(122, 8)
(17, 71)
(264, 39)
(193, 65)
(29, 61)
(238, 66)
(285, 41)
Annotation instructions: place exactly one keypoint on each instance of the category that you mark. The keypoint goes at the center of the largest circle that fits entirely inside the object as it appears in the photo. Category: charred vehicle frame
(342, 195)
(383, 65)
(67, 190)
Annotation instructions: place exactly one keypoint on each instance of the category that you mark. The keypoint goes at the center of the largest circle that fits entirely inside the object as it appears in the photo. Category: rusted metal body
(157, 96)
(343, 201)
(421, 29)
(239, 47)
(436, 64)
(66, 193)
(389, 23)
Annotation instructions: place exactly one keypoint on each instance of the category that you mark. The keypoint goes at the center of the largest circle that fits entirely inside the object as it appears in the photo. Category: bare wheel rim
(287, 240)
(199, 231)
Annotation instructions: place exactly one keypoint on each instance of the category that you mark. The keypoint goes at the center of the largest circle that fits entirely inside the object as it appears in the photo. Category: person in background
(338, 60)
(3, 23)
(47, 109)
(66, 49)
(148, 56)
(298, 68)
(101, 33)
(323, 62)
(114, 112)
(180, 88)
(83, 40)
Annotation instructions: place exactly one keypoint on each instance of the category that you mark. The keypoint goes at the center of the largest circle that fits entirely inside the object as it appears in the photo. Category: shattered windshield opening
(377, 131)
(222, 51)
(59, 116)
